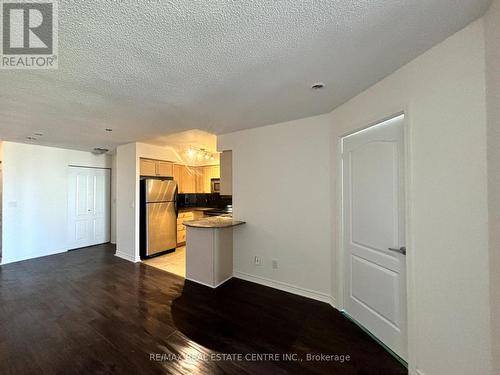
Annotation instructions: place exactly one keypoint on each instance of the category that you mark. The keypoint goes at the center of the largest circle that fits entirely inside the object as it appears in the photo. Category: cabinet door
(200, 179)
(188, 179)
(226, 173)
(215, 171)
(204, 179)
(165, 169)
(148, 167)
(176, 173)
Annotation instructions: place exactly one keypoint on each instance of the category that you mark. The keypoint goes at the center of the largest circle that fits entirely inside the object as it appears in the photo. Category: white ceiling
(189, 139)
(152, 68)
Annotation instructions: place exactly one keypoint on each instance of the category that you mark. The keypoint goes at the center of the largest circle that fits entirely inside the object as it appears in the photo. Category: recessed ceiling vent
(99, 151)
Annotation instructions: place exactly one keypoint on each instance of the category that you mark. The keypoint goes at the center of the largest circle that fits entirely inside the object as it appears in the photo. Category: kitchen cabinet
(148, 167)
(185, 177)
(204, 177)
(181, 229)
(226, 173)
(165, 168)
(195, 179)
(176, 173)
(155, 168)
(188, 180)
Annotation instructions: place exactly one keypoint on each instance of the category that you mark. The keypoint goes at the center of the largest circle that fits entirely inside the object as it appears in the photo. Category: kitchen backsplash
(214, 200)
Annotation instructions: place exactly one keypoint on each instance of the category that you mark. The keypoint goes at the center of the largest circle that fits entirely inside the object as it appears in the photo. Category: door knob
(401, 250)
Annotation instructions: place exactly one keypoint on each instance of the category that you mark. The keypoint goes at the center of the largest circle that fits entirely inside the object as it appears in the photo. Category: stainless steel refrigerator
(158, 216)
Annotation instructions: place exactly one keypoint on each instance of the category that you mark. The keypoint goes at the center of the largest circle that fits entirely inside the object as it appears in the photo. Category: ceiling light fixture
(318, 86)
(199, 154)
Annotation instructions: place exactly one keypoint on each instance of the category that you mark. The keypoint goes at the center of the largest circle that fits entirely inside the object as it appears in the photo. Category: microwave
(215, 183)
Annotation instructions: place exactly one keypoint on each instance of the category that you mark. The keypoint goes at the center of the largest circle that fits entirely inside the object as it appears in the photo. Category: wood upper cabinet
(188, 180)
(148, 167)
(176, 173)
(226, 173)
(165, 168)
(155, 168)
(204, 177)
(195, 179)
(212, 171)
(185, 178)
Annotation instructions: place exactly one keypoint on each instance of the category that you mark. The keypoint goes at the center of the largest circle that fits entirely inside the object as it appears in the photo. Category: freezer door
(160, 190)
(161, 230)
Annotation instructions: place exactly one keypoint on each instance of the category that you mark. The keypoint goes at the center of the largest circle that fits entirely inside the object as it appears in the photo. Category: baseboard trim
(21, 259)
(333, 302)
(318, 296)
(125, 256)
(208, 285)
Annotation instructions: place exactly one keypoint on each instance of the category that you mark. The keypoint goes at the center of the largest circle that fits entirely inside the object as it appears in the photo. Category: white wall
(145, 150)
(126, 197)
(281, 187)
(1, 199)
(492, 32)
(113, 199)
(443, 94)
(35, 198)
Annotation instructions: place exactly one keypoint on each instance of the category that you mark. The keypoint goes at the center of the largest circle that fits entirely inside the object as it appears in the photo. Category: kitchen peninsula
(209, 250)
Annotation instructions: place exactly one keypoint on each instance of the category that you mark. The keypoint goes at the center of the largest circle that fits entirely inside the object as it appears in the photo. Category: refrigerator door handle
(175, 201)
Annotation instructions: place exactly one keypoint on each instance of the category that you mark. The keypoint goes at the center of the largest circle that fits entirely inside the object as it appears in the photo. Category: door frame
(68, 171)
(410, 260)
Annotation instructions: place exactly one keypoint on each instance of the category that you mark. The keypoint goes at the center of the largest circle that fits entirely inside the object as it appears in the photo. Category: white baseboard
(28, 257)
(318, 296)
(333, 302)
(210, 286)
(126, 256)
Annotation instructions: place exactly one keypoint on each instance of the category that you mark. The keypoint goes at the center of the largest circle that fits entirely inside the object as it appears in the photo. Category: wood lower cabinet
(181, 229)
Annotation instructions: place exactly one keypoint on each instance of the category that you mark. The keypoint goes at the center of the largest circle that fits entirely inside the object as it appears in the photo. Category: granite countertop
(213, 222)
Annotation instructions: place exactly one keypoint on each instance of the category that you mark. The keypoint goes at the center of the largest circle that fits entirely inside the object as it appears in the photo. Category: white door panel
(88, 206)
(373, 162)
(373, 209)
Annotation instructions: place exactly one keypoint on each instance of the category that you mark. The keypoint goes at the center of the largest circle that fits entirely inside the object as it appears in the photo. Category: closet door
(88, 206)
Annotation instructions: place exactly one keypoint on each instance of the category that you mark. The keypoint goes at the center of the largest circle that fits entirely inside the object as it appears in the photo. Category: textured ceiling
(152, 68)
(183, 141)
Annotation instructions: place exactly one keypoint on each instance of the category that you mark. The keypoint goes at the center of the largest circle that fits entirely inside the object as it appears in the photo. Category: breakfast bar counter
(213, 222)
(209, 250)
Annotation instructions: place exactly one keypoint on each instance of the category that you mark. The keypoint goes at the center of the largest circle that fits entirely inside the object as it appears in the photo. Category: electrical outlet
(258, 260)
(275, 264)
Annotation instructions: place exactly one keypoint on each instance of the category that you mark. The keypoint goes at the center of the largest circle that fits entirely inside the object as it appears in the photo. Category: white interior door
(89, 206)
(374, 223)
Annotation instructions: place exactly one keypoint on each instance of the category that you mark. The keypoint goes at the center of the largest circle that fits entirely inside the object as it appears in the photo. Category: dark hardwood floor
(89, 312)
